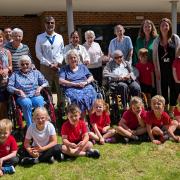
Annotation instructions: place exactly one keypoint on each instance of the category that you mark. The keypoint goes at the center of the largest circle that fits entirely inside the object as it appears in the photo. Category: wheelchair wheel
(46, 93)
(15, 114)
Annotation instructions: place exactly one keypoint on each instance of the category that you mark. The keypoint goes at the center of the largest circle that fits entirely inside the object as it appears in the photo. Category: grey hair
(24, 58)
(89, 32)
(72, 52)
(117, 52)
(17, 31)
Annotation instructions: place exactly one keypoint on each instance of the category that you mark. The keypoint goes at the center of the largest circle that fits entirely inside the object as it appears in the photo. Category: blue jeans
(27, 104)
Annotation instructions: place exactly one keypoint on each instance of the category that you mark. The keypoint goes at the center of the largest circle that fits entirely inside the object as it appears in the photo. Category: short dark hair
(48, 18)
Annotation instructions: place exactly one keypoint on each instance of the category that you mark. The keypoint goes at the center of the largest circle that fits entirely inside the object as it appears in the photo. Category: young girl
(44, 146)
(100, 122)
(146, 74)
(132, 123)
(8, 148)
(5, 69)
(159, 125)
(75, 137)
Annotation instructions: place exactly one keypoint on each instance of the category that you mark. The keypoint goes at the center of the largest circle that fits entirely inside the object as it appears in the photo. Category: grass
(118, 161)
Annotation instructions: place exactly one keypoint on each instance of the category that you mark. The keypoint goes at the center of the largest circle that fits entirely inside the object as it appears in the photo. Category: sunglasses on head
(118, 57)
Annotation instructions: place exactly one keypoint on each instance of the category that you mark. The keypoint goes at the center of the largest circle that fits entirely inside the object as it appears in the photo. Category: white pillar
(174, 15)
(70, 20)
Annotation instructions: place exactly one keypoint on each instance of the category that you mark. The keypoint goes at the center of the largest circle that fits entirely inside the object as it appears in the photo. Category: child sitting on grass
(75, 137)
(44, 147)
(132, 122)
(8, 148)
(159, 125)
(100, 121)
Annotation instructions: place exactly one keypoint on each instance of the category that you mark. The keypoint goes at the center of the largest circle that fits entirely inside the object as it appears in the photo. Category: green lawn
(117, 161)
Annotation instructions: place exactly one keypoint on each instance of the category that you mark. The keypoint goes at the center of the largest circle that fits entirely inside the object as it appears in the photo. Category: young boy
(8, 148)
(75, 136)
(132, 123)
(146, 74)
(158, 123)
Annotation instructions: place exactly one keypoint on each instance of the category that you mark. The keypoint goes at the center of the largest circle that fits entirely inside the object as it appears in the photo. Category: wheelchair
(15, 113)
(114, 99)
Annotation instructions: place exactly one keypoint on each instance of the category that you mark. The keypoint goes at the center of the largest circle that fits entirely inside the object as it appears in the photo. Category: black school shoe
(29, 160)
(93, 153)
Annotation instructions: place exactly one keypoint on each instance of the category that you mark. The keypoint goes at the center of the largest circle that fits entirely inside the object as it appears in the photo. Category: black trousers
(11, 162)
(46, 155)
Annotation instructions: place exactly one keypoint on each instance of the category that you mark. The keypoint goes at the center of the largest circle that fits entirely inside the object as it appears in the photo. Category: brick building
(101, 22)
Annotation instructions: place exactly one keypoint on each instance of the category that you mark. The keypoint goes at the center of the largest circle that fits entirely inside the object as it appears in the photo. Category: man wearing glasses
(49, 50)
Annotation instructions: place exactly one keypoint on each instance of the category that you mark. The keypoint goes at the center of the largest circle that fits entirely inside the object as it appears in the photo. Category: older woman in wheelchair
(76, 81)
(27, 84)
(120, 78)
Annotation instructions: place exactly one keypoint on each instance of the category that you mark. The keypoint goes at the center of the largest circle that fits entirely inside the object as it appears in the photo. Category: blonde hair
(158, 98)
(73, 108)
(5, 124)
(101, 101)
(42, 110)
(136, 100)
(142, 52)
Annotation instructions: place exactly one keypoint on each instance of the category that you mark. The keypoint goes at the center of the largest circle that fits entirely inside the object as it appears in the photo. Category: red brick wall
(34, 25)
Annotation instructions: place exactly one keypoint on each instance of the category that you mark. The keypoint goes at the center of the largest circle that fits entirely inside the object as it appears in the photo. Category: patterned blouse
(27, 82)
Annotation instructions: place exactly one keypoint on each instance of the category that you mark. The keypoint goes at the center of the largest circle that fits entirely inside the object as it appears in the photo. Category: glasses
(23, 64)
(118, 57)
(50, 22)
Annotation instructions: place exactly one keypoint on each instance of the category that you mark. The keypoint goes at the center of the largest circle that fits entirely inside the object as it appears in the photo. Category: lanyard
(51, 39)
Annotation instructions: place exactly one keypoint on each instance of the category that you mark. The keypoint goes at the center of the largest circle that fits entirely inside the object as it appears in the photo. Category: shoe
(29, 160)
(164, 138)
(126, 140)
(51, 160)
(62, 157)
(8, 170)
(110, 140)
(94, 153)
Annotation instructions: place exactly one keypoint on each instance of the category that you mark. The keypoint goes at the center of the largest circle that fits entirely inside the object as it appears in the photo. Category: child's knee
(157, 131)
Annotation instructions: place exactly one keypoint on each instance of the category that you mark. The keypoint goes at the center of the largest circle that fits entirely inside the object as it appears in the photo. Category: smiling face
(119, 31)
(118, 57)
(157, 106)
(17, 38)
(7, 33)
(1, 40)
(40, 120)
(99, 108)
(147, 28)
(136, 108)
(4, 134)
(50, 25)
(72, 60)
(164, 27)
(74, 117)
(75, 39)
(25, 66)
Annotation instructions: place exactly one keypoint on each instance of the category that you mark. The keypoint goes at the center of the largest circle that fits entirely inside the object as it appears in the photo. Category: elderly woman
(121, 42)
(121, 77)
(83, 54)
(16, 48)
(27, 85)
(96, 56)
(76, 80)
(145, 39)
(164, 53)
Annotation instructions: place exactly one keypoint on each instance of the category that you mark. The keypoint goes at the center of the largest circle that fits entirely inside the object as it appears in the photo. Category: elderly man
(8, 34)
(49, 51)
(121, 77)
